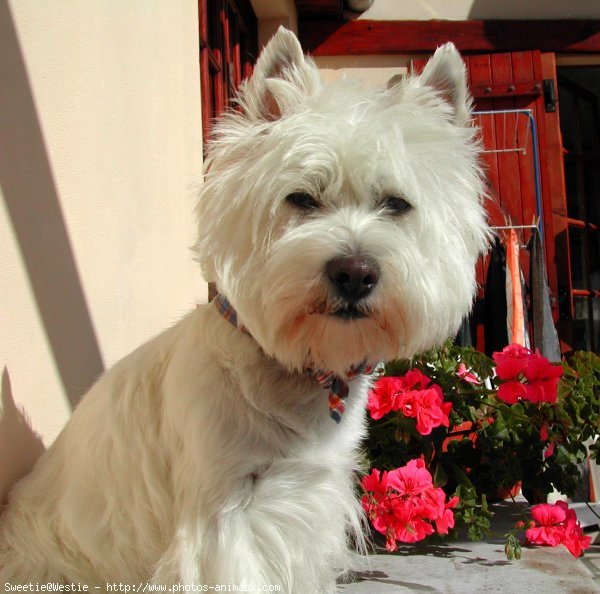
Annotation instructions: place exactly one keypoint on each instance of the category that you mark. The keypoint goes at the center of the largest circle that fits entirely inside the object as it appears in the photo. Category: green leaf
(440, 477)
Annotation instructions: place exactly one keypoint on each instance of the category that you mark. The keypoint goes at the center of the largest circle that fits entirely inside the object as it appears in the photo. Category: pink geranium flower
(548, 530)
(543, 391)
(445, 521)
(415, 396)
(427, 407)
(526, 375)
(540, 369)
(511, 362)
(412, 479)
(404, 505)
(574, 539)
(463, 373)
(557, 524)
(412, 524)
(382, 397)
(376, 482)
(511, 391)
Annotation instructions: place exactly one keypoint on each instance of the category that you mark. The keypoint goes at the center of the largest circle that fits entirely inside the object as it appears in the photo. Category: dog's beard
(327, 333)
(342, 309)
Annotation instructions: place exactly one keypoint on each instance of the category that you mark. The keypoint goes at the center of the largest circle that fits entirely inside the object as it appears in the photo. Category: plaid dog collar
(336, 386)
(226, 310)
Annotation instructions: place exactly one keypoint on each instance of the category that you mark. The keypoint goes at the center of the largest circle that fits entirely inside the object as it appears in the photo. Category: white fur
(208, 456)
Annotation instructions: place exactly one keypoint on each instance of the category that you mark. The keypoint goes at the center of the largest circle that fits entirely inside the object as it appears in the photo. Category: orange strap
(515, 299)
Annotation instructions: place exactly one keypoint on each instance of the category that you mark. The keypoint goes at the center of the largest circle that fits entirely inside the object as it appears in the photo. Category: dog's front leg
(219, 552)
(180, 564)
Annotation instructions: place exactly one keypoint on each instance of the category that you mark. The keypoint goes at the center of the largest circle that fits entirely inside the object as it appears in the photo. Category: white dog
(341, 227)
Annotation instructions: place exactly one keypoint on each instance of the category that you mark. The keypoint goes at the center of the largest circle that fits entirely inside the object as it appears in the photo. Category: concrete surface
(462, 567)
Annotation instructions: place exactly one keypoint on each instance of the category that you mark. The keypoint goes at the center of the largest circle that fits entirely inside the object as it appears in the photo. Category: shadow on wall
(34, 211)
(20, 445)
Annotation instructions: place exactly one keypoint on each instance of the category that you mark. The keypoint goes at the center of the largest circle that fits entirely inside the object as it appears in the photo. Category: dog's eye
(397, 204)
(302, 200)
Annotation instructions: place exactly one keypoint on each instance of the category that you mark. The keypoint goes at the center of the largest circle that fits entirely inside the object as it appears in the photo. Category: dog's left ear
(446, 73)
(282, 78)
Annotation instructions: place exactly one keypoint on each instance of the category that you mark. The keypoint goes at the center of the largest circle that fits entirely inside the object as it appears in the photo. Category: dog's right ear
(282, 78)
(447, 74)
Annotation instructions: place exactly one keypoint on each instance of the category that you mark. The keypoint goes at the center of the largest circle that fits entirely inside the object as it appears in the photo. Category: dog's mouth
(344, 311)
(349, 312)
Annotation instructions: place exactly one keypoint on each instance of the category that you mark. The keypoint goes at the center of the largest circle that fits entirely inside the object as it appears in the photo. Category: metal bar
(536, 163)
(514, 227)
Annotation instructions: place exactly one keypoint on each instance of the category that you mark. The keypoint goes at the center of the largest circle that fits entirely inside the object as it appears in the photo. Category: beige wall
(371, 71)
(100, 145)
(271, 14)
(482, 9)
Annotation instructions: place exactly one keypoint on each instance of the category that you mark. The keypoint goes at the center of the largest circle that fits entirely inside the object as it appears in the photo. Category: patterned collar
(336, 386)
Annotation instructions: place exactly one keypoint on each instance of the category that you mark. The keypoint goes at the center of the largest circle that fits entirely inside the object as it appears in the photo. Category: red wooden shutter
(502, 83)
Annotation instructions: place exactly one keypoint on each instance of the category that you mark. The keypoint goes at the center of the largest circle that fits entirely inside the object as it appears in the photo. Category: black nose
(354, 277)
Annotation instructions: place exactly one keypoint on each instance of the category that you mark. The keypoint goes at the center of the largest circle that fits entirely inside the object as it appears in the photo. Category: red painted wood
(365, 37)
(417, 65)
(508, 162)
(531, 88)
(522, 64)
(481, 74)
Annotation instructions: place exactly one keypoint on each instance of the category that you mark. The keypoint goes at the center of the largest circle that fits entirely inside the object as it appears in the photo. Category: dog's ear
(282, 78)
(446, 73)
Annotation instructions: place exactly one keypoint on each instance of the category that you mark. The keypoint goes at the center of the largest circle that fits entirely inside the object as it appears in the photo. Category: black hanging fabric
(545, 337)
(495, 331)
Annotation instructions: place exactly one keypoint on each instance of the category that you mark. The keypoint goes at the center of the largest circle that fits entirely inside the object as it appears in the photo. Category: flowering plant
(452, 429)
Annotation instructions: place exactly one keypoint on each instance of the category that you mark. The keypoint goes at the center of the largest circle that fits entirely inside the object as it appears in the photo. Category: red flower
(411, 525)
(511, 362)
(574, 539)
(414, 396)
(382, 397)
(414, 379)
(404, 505)
(549, 451)
(445, 521)
(412, 479)
(557, 525)
(526, 375)
(540, 369)
(376, 482)
(511, 391)
(427, 407)
(550, 531)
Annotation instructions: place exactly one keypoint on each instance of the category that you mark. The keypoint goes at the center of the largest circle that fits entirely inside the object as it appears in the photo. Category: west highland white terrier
(341, 227)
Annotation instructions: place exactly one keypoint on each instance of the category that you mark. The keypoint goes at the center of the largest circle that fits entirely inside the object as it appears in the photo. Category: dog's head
(344, 224)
